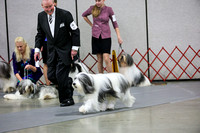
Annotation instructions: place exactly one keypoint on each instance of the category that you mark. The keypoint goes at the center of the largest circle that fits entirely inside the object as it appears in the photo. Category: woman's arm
(18, 77)
(31, 63)
(15, 67)
(120, 41)
(31, 67)
(88, 21)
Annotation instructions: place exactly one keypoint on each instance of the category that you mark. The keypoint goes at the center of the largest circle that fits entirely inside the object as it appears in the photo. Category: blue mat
(145, 97)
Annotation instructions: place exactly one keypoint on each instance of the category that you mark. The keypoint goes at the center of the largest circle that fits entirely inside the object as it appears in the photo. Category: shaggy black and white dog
(101, 91)
(27, 89)
(7, 78)
(131, 72)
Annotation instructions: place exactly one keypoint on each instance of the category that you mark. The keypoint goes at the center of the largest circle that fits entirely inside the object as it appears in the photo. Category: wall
(174, 23)
(3, 37)
(170, 23)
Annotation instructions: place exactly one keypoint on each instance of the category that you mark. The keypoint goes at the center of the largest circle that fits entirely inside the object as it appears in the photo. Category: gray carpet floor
(145, 97)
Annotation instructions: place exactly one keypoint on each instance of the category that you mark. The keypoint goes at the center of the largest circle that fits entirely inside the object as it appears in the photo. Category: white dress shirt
(52, 25)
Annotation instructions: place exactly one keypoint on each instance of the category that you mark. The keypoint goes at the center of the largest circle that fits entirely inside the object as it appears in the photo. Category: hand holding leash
(73, 53)
(37, 56)
(119, 49)
(28, 67)
(120, 41)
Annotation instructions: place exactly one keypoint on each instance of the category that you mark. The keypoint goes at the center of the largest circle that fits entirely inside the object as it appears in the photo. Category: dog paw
(131, 101)
(6, 96)
(102, 107)
(110, 107)
(9, 96)
(82, 110)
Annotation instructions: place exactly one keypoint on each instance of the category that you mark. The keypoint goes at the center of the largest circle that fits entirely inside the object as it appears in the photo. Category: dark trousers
(58, 73)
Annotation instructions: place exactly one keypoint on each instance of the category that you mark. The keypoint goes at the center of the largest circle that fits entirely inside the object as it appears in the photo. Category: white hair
(131, 72)
(98, 89)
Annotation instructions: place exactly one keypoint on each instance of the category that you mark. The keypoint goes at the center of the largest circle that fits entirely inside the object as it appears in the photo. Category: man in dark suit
(63, 42)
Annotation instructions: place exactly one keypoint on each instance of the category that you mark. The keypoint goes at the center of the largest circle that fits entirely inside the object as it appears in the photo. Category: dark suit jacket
(64, 37)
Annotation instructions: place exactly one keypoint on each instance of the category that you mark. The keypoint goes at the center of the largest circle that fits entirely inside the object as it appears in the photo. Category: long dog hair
(131, 72)
(27, 89)
(7, 78)
(101, 91)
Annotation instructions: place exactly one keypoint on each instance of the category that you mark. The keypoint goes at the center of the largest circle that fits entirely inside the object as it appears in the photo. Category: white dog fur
(27, 89)
(8, 80)
(101, 91)
(131, 72)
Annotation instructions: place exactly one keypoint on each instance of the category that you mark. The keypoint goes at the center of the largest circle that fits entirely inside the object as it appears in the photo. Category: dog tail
(5, 70)
(10, 96)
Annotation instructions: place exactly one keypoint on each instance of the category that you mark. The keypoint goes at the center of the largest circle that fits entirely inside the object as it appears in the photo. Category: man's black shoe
(67, 102)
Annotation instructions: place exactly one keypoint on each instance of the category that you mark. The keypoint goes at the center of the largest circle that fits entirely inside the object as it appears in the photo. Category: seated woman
(24, 63)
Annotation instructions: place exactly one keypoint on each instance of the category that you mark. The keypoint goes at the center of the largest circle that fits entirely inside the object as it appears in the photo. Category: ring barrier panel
(192, 62)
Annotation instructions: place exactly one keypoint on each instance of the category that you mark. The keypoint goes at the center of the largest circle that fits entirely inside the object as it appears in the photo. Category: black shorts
(44, 53)
(100, 46)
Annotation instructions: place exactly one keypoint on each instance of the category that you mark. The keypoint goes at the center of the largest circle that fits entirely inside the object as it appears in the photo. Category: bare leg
(106, 58)
(45, 74)
(100, 62)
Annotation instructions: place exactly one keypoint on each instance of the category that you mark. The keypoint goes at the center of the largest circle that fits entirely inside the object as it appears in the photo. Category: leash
(121, 49)
(26, 77)
(25, 73)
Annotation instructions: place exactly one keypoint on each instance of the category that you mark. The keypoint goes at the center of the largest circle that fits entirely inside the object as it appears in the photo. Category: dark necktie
(50, 19)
